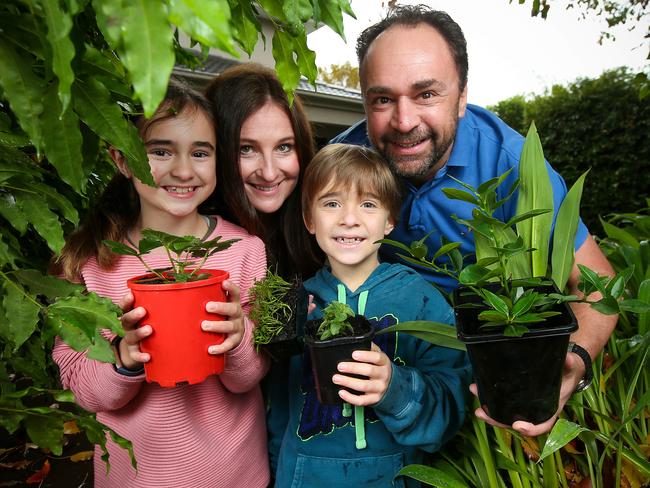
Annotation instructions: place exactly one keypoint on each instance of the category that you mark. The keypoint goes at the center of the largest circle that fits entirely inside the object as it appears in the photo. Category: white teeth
(179, 189)
(408, 145)
(348, 240)
(265, 188)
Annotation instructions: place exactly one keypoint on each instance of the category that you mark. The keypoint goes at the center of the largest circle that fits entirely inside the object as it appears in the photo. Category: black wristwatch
(585, 382)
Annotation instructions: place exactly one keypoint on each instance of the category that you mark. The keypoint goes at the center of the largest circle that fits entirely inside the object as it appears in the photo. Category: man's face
(412, 99)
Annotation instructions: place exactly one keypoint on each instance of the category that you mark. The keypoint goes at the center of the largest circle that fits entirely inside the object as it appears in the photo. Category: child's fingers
(359, 400)
(231, 342)
(225, 309)
(126, 302)
(232, 290)
(130, 319)
(221, 326)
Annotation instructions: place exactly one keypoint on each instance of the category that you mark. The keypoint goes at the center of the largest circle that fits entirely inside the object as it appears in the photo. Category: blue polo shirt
(484, 148)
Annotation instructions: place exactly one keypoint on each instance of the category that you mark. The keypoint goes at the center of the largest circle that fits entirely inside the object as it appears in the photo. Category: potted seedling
(331, 340)
(175, 299)
(279, 310)
(511, 310)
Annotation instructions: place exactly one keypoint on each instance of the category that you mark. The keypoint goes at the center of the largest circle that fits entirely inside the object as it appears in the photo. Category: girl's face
(181, 152)
(268, 162)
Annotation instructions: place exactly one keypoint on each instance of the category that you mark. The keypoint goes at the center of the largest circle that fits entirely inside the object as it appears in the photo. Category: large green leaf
(535, 192)
(48, 286)
(57, 202)
(431, 476)
(45, 429)
(77, 318)
(245, 26)
(21, 314)
(564, 234)
(59, 24)
(201, 16)
(331, 14)
(44, 221)
(285, 64)
(306, 58)
(24, 90)
(619, 234)
(62, 140)
(562, 433)
(94, 105)
(102, 63)
(437, 333)
(148, 54)
(12, 212)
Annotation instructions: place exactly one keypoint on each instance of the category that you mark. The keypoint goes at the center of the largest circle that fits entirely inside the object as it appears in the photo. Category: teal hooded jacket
(314, 446)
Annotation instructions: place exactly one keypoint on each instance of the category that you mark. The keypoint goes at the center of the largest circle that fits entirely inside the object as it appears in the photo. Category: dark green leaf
(431, 476)
(285, 64)
(59, 24)
(456, 194)
(46, 431)
(562, 433)
(49, 286)
(21, 314)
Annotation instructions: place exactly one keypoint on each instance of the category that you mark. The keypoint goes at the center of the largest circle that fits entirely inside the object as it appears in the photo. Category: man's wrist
(582, 353)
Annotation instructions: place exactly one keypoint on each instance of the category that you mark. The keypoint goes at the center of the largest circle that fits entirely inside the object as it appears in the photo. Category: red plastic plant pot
(178, 346)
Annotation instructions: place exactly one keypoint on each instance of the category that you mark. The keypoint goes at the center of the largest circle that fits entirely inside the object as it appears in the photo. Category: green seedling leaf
(535, 192)
(393, 243)
(437, 333)
(456, 194)
(495, 301)
(120, 248)
(493, 316)
(515, 330)
(525, 216)
(446, 249)
(566, 226)
(472, 274)
(562, 433)
(524, 304)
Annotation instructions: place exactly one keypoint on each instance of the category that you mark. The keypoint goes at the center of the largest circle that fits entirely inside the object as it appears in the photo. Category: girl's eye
(200, 154)
(161, 153)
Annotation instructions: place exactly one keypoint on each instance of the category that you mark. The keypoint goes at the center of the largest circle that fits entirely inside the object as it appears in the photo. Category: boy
(414, 390)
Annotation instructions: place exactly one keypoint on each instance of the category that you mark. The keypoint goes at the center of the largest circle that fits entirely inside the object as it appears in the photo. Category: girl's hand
(373, 364)
(129, 348)
(233, 327)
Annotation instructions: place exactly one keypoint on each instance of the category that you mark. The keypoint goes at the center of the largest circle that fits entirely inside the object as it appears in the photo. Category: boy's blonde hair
(349, 166)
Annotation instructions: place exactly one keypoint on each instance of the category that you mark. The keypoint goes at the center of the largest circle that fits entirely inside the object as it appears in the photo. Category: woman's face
(268, 161)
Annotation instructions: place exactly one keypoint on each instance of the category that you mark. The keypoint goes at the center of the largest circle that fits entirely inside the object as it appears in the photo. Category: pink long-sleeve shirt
(210, 434)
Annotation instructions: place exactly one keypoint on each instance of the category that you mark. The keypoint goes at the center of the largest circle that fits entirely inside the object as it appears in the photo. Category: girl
(207, 434)
(264, 146)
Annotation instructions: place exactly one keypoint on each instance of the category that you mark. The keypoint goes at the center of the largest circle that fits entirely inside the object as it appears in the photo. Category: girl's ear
(120, 161)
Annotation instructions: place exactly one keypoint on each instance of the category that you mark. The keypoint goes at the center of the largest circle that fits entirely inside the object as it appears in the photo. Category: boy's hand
(373, 364)
(129, 348)
(233, 327)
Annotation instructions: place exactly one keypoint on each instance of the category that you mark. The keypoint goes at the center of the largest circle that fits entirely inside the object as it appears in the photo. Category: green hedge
(593, 123)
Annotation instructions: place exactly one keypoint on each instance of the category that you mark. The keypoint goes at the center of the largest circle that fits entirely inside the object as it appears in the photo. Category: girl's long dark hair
(235, 95)
(118, 208)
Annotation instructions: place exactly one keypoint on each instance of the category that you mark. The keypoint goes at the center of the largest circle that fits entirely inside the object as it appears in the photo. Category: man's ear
(120, 161)
(462, 102)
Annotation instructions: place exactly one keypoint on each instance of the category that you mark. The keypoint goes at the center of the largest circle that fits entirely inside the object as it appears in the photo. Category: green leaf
(46, 431)
(59, 24)
(535, 192)
(306, 58)
(21, 314)
(101, 349)
(493, 316)
(495, 301)
(527, 215)
(431, 476)
(245, 26)
(49, 286)
(397, 244)
(472, 274)
(94, 105)
(44, 221)
(207, 21)
(514, 330)
(562, 433)
(456, 194)
(121, 248)
(634, 305)
(331, 14)
(606, 306)
(62, 140)
(566, 226)
(12, 212)
(437, 333)
(148, 54)
(285, 64)
(24, 90)
(57, 201)
(446, 249)
(618, 234)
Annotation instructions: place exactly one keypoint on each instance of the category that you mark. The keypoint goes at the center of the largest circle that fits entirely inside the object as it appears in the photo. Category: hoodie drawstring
(359, 413)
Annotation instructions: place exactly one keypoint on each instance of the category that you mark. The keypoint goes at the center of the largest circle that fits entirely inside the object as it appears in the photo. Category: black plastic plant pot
(518, 378)
(290, 341)
(326, 355)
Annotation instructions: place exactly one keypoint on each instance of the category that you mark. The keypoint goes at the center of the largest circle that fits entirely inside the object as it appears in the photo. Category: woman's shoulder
(227, 230)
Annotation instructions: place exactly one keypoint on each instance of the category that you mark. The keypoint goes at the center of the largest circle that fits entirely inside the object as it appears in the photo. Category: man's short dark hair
(411, 16)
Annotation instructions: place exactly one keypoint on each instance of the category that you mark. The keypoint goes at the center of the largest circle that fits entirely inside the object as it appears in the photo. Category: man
(413, 71)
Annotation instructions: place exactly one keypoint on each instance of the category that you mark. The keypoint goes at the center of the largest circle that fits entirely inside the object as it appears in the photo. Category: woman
(263, 147)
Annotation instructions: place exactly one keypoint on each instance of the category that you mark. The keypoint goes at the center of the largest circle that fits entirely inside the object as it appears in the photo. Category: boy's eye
(369, 205)
(331, 204)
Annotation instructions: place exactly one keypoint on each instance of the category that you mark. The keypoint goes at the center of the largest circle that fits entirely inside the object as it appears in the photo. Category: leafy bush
(593, 123)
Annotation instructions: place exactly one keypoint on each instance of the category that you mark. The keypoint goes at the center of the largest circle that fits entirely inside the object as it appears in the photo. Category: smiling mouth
(180, 189)
(265, 188)
(408, 145)
(348, 240)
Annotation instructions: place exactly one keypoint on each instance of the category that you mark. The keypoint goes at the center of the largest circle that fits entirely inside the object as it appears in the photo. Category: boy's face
(346, 225)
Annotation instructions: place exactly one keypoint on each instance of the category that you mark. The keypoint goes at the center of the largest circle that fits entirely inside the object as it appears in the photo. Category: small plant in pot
(175, 299)
(331, 340)
(279, 310)
(511, 309)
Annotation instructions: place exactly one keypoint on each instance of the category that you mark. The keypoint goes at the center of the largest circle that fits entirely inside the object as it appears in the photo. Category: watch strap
(585, 382)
